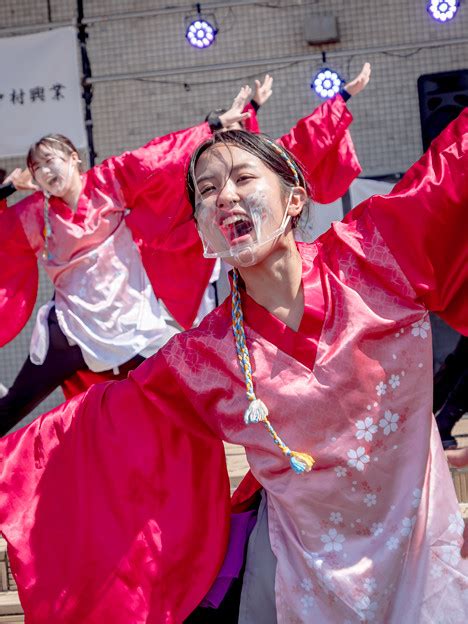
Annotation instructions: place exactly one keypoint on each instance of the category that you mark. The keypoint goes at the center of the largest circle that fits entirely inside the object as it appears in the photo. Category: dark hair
(57, 142)
(276, 158)
(215, 114)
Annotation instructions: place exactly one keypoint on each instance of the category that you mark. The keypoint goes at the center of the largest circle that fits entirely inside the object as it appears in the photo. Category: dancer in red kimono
(116, 504)
(116, 243)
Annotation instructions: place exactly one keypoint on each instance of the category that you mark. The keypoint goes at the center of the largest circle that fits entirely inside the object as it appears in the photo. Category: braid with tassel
(257, 410)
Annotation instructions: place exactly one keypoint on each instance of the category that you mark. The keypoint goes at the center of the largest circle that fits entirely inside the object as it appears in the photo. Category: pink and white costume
(372, 533)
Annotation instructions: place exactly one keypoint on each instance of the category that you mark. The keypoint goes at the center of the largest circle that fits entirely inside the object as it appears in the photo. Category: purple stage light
(326, 83)
(200, 33)
(443, 10)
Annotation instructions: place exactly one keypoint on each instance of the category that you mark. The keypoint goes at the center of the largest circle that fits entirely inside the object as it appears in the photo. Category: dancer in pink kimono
(117, 242)
(116, 505)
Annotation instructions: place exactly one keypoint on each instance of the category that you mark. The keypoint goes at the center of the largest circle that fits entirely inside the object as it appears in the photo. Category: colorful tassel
(256, 412)
(301, 462)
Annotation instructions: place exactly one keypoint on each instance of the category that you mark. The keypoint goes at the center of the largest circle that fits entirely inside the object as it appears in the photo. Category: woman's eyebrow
(234, 169)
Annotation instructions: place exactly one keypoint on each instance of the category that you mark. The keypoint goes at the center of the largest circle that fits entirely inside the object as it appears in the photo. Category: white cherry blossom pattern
(370, 585)
(314, 562)
(366, 429)
(326, 580)
(394, 381)
(407, 526)
(366, 608)
(336, 517)
(341, 471)
(451, 554)
(392, 543)
(377, 528)
(417, 493)
(457, 525)
(381, 388)
(420, 328)
(307, 602)
(370, 500)
(333, 541)
(306, 584)
(358, 458)
(436, 571)
(389, 422)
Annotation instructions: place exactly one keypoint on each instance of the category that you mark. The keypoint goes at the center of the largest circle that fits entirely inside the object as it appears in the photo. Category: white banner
(40, 90)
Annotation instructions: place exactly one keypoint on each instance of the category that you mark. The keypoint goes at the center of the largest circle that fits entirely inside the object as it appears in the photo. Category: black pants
(35, 382)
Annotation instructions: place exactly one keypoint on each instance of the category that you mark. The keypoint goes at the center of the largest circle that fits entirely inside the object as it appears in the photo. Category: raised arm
(152, 180)
(423, 222)
(115, 505)
(18, 274)
(17, 180)
(322, 144)
(163, 160)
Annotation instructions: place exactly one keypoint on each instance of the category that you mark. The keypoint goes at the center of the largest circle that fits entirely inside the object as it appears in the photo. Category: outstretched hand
(234, 114)
(263, 90)
(21, 180)
(458, 458)
(359, 83)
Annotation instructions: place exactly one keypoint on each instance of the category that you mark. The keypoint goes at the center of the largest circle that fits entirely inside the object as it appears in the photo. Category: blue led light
(443, 10)
(326, 83)
(200, 33)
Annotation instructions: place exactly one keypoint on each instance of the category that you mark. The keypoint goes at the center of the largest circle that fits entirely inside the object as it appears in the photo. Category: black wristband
(344, 94)
(6, 190)
(214, 121)
(255, 105)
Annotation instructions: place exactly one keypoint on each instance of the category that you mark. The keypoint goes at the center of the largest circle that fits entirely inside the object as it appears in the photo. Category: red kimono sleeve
(322, 144)
(18, 275)
(423, 222)
(251, 123)
(152, 180)
(115, 505)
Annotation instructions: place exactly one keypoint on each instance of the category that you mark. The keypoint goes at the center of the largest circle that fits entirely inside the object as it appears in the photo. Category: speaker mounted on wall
(442, 97)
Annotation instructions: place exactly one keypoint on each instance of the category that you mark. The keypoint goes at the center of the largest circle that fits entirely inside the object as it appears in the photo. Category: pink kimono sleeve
(322, 144)
(423, 222)
(115, 505)
(18, 275)
(152, 180)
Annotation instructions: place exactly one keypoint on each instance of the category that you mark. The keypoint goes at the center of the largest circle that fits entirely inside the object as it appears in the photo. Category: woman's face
(52, 170)
(240, 202)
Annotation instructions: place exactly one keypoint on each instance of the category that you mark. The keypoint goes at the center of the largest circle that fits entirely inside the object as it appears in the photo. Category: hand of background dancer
(235, 114)
(457, 458)
(21, 180)
(359, 83)
(263, 90)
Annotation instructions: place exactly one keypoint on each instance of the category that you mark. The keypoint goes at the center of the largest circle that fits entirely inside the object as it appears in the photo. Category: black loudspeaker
(441, 99)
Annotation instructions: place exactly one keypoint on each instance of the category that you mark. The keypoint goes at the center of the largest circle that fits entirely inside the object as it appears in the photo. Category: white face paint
(52, 172)
(241, 230)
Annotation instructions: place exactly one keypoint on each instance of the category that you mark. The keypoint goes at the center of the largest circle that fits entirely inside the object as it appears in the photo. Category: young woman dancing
(116, 504)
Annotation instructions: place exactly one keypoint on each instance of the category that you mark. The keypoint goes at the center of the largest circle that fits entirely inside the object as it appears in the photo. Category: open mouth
(52, 180)
(236, 227)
